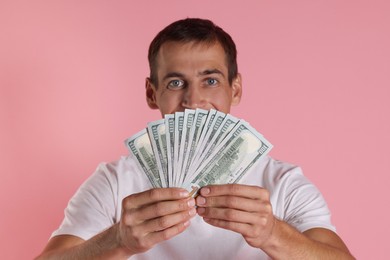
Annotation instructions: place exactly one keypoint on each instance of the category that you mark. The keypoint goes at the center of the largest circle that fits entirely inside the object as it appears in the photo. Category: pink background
(316, 84)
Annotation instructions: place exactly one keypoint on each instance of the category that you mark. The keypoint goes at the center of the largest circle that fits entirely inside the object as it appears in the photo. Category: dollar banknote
(193, 138)
(231, 159)
(219, 129)
(170, 137)
(179, 121)
(194, 148)
(157, 136)
(139, 145)
(188, 122)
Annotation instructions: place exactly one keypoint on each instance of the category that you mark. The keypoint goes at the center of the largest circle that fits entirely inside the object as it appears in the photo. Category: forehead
(191, 55)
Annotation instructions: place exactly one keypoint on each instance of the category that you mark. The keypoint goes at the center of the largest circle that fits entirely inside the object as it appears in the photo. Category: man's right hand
(153, 216)
(148, 218)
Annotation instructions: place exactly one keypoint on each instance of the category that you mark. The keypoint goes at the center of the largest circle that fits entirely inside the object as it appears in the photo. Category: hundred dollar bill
(231, 159)
(179, 121)
(189, 115)
(219, 132)
(213, 121)
(195, 131)
(139, 145)
(157, 136)
(209, 120)
(170, 138)
(227, 125)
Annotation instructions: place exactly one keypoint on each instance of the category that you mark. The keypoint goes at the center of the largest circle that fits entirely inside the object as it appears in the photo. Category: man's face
(192, 75)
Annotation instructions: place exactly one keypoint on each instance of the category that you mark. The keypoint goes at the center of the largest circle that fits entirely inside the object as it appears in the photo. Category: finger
(159, 236)
(164, 222)
(262, 227)
(231, 215)
(163, 208)
(159, 194)
(247, 191)
(233, 202)
(242, 228)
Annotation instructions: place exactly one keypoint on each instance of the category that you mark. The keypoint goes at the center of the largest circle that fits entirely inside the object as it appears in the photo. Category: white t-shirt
(97, 205)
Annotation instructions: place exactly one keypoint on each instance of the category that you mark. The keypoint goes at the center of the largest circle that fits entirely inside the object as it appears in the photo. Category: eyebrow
(173, 75)
(213, 71)
(202, 73)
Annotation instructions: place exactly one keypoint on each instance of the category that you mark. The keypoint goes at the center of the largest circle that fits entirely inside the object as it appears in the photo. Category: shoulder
(124, 167)
(121, 177)
(97, 203)
(294, 197)
(269, 172)
(278, 169)
(281, 177)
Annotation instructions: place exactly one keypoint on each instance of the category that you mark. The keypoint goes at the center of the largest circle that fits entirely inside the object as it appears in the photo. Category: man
(274, 212)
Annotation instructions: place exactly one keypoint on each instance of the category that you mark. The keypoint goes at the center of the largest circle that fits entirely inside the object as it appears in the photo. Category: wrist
(272, 242)
(109, 244)
(119, 244)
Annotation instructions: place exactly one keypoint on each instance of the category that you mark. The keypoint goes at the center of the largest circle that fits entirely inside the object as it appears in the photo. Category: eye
(211, 81)
(175, 84)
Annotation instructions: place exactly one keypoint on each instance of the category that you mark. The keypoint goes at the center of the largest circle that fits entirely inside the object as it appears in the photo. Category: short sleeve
(304, 207)
(91, 210)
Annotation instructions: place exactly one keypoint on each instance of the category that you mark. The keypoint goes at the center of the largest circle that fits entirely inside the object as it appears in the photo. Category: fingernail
(184, 194)
(200, 200)
(187, 223)
(192, 212)
(205, 191)
(191, 202)
(201, 211)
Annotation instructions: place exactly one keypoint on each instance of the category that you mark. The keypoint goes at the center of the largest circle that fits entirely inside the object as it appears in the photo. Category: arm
(248, 211)
(101, 246)
(148, 218)
(317, 243)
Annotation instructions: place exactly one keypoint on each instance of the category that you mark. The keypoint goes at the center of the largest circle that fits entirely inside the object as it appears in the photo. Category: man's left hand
(241, 208)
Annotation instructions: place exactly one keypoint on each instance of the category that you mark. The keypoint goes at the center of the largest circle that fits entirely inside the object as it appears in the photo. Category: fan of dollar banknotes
(195, 148)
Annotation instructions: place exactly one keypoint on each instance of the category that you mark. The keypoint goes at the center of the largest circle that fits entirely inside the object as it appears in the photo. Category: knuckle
(127, 202)
(234, 188)
(231, 202)
(255, 232)
(135, 233)
(162, 222)
(265, 194)
(128, 219)
(268, 208)
(263, 222)
(159, 209)
(166, 234)
(230, 214)
(154, 194)
(231, 225)
(142, 244)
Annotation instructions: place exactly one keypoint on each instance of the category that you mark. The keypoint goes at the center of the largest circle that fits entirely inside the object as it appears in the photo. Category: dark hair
(197, 30)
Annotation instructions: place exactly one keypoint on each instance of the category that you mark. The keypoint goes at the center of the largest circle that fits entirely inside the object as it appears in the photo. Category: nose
(193, 98)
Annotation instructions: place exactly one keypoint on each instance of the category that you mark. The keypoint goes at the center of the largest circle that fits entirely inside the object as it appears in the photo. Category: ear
(150, 94)
(236, 90)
